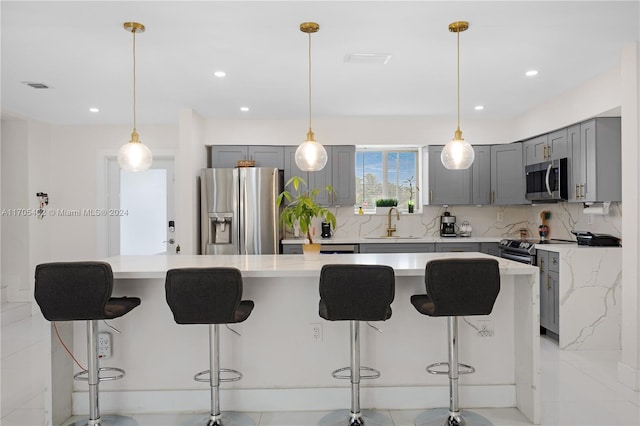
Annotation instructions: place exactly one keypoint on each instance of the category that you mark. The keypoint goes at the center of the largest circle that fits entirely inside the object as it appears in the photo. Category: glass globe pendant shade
(135, 156)
(457, 154)
(310, 155)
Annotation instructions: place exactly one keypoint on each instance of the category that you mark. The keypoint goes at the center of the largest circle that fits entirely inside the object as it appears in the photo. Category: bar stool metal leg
(453, 416)
(93, 377)
(216, 418)
(355, 417)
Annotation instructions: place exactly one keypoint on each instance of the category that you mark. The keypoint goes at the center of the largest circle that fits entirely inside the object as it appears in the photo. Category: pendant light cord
(309, 81)
(458, 79)
(134, 80)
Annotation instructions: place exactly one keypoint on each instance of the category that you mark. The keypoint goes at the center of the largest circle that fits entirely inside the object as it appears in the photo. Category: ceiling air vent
(368, 58)
(36, 85)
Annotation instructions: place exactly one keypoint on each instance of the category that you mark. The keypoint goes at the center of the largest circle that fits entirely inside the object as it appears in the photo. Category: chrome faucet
(391, 230)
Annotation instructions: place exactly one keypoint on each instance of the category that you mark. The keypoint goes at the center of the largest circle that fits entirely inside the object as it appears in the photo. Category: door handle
(577, 191)
(546, 179)
(430, 196)
(493, 197)
(548, 282)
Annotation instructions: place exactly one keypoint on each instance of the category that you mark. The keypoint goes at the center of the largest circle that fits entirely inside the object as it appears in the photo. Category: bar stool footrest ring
(462, 368)
(204, 376)
(83, 376)
(370, 373)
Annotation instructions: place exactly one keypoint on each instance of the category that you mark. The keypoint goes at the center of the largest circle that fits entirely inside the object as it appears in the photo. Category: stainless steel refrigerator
(238, 210)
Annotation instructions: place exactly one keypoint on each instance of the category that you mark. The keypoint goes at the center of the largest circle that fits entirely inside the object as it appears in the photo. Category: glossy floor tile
(579, 388)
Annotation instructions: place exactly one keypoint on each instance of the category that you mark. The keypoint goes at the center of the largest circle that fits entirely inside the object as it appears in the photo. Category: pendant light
(134, 156)
(310, 155)
(457, 153)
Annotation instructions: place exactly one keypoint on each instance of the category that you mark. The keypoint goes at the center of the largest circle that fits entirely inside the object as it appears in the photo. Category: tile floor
(578, 388)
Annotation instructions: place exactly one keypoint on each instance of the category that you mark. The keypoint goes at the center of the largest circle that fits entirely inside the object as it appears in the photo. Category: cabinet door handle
(582, 191)
(430, 196)
(493, 197)
(577, 191)
(548, 282)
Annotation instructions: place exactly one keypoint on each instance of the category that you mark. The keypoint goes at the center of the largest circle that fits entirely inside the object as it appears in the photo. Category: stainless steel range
(519, 251)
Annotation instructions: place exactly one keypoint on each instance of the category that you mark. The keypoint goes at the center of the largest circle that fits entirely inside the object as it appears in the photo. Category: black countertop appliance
(326, 230)
(586, 238)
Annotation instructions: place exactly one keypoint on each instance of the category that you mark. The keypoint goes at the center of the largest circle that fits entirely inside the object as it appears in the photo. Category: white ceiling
(81, 50)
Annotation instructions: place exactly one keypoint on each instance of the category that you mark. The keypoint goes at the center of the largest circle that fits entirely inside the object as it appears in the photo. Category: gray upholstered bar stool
(210, 296)
(356, 293)
(81, 291)
(456, 287)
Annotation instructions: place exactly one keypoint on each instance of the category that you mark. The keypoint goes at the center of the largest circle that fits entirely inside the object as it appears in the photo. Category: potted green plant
(383, 205)
(301, 207)
(412, 188)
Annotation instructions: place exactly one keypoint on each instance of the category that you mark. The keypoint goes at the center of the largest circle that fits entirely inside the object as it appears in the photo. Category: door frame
(104, 242)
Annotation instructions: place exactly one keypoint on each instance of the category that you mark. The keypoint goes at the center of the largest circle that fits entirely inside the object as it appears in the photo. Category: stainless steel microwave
(547, 182)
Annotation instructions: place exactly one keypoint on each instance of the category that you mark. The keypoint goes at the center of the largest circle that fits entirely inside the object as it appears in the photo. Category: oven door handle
(546, 179)
(522, 258)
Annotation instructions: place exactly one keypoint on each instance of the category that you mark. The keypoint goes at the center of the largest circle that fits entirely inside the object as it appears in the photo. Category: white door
(145, 205)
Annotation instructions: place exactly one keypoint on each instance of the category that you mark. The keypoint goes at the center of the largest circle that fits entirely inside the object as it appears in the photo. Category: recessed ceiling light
(244, 109)
(94, 110)
(531, 73)
(479, 107)
(220, 74)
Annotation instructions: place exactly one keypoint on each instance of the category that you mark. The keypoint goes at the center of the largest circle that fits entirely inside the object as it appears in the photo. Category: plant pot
(311, 250)
(410, 206)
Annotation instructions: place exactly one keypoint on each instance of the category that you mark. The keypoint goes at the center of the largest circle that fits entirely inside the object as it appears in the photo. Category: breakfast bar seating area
(286, 350)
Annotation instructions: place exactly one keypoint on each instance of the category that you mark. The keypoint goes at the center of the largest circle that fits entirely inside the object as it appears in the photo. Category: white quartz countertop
(395, 240)
(156, 266)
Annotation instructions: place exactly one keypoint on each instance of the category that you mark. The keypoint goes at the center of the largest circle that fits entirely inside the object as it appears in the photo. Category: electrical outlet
(104, 345)
(590, 219)
(485, 331)
(316, 332)
(499, 217)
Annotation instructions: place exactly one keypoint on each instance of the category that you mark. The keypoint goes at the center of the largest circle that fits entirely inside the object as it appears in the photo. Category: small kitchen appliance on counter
(586, 238)
(465, 229)
(447, 225)
(326, 230)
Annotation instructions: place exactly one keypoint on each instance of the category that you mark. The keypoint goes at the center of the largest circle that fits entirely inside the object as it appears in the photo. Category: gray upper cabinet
(446, 186)
(596, 161)
(535, 150)
(481, 175)
(507, 174)
(343, 174)
(264, 156)
(339, 172)
(545, 147)
(557, 145)
(290, 167)
(576, 164)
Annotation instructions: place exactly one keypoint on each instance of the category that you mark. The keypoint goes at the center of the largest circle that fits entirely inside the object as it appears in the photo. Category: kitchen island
(286, 368)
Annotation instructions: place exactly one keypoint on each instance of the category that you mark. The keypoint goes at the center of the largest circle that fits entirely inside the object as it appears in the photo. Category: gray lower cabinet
(263, 155)
(450, 187)
(490, 248)
(397, 248)
(549, 263)
(596, 161)
(291, 248)
(456, 247)
(507, 175)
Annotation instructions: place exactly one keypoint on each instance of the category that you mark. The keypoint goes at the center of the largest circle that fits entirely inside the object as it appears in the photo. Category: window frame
(385, 150)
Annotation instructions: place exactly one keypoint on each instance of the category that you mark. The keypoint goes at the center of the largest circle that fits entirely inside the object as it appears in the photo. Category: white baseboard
(307, 399)
(628, 376)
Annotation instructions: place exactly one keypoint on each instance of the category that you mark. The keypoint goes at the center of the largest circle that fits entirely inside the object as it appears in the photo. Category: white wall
(629, 366)
(355, 131)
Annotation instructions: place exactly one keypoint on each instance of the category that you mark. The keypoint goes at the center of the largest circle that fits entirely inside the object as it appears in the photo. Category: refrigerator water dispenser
(220, 229)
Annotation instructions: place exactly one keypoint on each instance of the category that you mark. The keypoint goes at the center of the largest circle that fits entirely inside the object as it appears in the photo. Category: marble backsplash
(484, 221)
